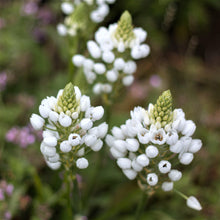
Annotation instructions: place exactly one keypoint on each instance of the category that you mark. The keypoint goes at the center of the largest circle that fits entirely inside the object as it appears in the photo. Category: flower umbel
(150, 145)
(68, 128)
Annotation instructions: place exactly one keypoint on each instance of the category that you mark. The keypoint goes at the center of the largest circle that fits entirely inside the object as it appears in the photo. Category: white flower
(54, 166)
(127, 80)
(136, 52)
(176, 148)
(78, 60)
(193, 203)
(96, 17)
(189, 128)
(88, 64)
(94, 49)
(195, 145)
(82, 163)
(106, 88)
(120, 145)
(37, 122)
(103, 10)
(164, 166)
(65, 146)
(175, 175)
(130, 67)
(74, 139)
(130, 174)
(172, 137)
(65, 120)
(119, 64)
(116, 153)
(99, 68)
(186, 158)
(151, 151)
(144, 136)
(102, 130)
(124, 163)
(152, 179)
(117, 133)
(49, 151)
(112, 75)
(54, 158)
(108, 56)
(145, 50)
(140, 34)
(97, 113)
(50, 141)
(61, 29)
(158, 136)
(121, 47)
(97, 146)
(67, 8)
(143, 160)
(44, 111)
(90, 139)
(132, 144)
(136, 166)
(53, 116)
(167, 186)
(86, 124)
(97, 89)
(84, 103)
(179, 124)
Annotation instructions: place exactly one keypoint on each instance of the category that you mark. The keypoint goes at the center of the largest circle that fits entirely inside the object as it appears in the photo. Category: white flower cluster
(149, 150)
(68, 128)
(112, 55)
(98, 10)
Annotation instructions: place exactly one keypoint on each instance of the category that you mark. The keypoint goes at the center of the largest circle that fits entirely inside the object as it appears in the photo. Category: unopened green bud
(124, 31)
(67, 101)
(162, 111)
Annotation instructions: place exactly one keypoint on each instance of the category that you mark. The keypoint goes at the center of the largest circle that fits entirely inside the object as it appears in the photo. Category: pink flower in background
(3, 80)
(155, 81)
(22, 136)
(138, 91)
(30, 8)
(8, 215)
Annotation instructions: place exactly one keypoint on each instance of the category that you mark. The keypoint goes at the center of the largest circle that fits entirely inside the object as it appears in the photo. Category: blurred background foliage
(185, 54)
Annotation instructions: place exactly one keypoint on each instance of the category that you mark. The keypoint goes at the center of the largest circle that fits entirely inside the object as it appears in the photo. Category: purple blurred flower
(138, 91)
(21, 136)
(8, 215)
(9, 189)
(3, 80)
(45, 16)
(2, 196)
(30, 8)
(155, 81)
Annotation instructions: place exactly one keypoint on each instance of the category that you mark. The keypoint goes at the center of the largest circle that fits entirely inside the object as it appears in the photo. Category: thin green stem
(141, 205)
(181, 194)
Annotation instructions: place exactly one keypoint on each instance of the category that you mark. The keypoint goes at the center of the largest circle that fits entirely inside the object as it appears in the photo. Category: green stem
(68, 183)
(141, 205)
(181, 194)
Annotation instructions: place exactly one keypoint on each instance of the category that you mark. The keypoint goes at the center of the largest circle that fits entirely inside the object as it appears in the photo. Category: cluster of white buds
(68, 128)
(151, 144)
(80, 12)
(112, 55)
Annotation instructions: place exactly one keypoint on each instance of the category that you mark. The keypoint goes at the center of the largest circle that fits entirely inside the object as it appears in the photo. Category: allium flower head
(151, 144)
(68, 128)
(111, 55)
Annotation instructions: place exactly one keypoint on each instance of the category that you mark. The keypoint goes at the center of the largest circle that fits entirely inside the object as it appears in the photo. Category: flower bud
(116, 153)
(86, 124)
(143, 160)
(44, 111)
(97, 113)
(90, 139)
(117, 133)
(119, 64)
(49, 151)
(124, 163)
(54, 166)
(132, 144)
(127, 80)
(37, 122)
(112, 75)
(120, 145)
(97, 146)
(193, 203)
(136, 166)
(195, 145)
(130, 174)
(94, 49)
(175, 175)
(64, 120)
(167, 186)
(50, 141)
(102, 130)
(99, 68)
(82, 163)
(151, 151)
(65, 146)
(78, 60)
(189, 128)
(61, 29)
(186, 158)
(108, 56)
(67, 8)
